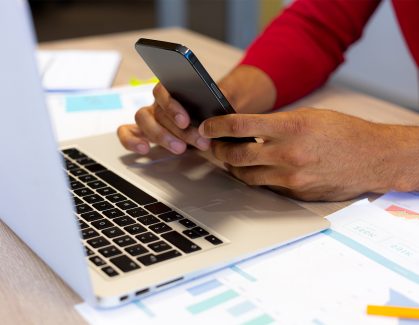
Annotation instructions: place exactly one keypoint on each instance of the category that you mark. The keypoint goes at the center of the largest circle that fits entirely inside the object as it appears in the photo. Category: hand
(309, 154)
(165, 122)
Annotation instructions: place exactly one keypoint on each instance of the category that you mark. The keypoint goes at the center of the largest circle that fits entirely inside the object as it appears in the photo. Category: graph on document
(211, 299)
(387, 239)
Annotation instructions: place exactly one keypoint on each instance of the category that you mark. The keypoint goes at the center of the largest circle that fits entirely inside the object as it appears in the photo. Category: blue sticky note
(76, 103)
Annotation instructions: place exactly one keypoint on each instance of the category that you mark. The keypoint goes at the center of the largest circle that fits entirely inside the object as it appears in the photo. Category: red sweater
(306, 43)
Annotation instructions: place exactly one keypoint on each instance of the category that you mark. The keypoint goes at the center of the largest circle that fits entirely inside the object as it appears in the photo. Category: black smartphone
(187, 81)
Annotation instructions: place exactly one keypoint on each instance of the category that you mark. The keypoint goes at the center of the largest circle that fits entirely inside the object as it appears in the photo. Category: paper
(320, 280)
(389, 239)
(66, 70)
(96, 112)
(404, 205)
(81, 103)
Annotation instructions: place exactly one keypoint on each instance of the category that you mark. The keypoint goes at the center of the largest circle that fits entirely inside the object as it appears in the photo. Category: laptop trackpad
(192, 183)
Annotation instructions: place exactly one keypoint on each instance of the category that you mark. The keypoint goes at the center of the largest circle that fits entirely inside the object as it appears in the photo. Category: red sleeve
(306, 43)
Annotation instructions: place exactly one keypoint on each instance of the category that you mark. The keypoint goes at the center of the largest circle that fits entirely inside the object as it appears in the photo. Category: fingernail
(201, 129)
(203, 143)
(180, 120)
(177, 146)
(141, 148)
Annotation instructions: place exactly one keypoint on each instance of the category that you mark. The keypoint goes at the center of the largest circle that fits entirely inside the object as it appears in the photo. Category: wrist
(249, 90)
(399, 157)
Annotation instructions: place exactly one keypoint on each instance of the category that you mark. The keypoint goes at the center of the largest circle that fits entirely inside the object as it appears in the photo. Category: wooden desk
(30, 293)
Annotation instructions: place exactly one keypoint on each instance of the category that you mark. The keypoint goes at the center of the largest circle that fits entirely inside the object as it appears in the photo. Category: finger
(190, 135)
(132, 139)
(156, 133)
(243, 154)
(248, 125)
(171, 106)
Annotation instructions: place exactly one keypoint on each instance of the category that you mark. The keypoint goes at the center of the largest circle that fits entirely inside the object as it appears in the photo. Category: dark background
(60, 19)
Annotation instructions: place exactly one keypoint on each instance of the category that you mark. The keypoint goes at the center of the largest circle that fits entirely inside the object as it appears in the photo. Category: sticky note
(77, 103)
(139, 82)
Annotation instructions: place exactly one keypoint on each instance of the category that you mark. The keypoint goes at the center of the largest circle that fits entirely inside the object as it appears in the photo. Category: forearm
(248, 89)
(400, 156)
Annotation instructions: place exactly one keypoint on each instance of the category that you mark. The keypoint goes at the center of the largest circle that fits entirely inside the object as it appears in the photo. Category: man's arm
(306, 43)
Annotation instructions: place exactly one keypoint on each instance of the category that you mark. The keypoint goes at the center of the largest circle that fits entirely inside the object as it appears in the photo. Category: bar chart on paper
(222, 296)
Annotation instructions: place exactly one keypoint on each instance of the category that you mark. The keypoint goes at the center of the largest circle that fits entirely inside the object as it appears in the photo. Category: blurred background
(379, 64)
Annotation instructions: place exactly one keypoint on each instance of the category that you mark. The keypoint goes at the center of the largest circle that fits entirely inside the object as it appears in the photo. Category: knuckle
(139, 115)
(298, 181)
(297, 157)
(294, 124)
(238, 126)
(235, 156)
(159, 113)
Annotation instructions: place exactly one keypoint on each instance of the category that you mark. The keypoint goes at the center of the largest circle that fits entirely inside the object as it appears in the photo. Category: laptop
(113, 225)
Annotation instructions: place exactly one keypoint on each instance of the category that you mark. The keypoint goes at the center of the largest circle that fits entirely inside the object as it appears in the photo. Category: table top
(30, 293)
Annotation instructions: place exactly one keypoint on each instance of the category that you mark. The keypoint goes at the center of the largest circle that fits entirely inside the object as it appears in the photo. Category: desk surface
(30, 293)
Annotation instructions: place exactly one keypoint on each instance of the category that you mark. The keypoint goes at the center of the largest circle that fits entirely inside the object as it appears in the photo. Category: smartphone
(187, 81)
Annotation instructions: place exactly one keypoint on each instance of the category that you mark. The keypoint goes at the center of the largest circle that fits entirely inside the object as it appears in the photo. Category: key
(96, 184)
(105, 191)
(83, 191)
(170, 216)
(125, 205)
(153, 259)
(116, 198)
(74, 153)
(82, 208)
(213, 240)
(109, 271)
(88, 233)
(157, 208)
(102, 224)
(181, 242)
(136, 250)
(97, 260)
(124, 221)
(93, 198)
(160, 228)
(109, 251)
(148, 220)
(112, 232)
(103, 206)
(200, 231)
(159, 246)
(124, 241)
(113, 213)
(98, 242)
(137, 212)
(91, 216)
(187, 223)
(124, 263)
(94, 168)
(191, 234)
(147, 237)
(87, 178)
(78, 172)
(135, 229)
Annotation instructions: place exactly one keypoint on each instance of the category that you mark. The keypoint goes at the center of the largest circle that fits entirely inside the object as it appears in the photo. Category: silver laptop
(116, 226)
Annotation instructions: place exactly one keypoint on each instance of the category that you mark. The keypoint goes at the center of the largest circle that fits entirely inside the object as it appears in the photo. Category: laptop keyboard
(123, 228)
